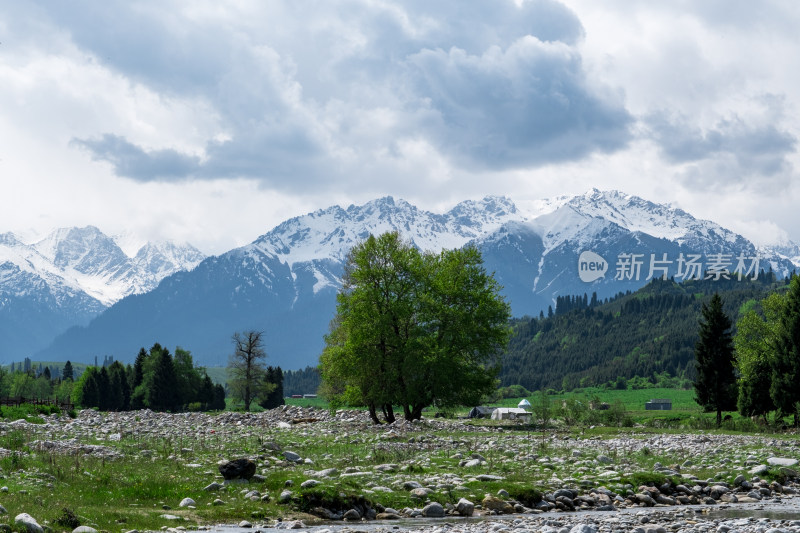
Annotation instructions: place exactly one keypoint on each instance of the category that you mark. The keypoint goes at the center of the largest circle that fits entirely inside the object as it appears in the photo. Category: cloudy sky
(210, 122)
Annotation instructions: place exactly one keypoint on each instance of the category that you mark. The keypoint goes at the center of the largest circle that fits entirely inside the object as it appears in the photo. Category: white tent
(524, 404)
(510, 413)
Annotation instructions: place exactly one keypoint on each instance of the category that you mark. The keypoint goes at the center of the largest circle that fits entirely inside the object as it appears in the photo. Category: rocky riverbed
(456, 476)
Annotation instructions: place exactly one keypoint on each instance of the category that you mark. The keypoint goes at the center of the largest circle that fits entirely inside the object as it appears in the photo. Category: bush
(512, 391)
(68, 519)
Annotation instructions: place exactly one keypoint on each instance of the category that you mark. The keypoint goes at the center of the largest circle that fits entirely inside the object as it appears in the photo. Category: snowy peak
(330, 233)
(162, 259)
(85, 250)
(85, 260)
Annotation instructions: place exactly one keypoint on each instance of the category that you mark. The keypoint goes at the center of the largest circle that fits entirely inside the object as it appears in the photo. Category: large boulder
(238, 469)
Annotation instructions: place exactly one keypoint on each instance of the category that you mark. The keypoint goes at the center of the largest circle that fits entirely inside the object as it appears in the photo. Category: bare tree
(246, 370)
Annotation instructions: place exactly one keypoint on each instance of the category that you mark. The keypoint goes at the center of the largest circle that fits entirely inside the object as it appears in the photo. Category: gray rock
(237, 469)
(411, 485)
(781, 461)
(28, 523)
(292, 457)
(420, 492)
(488, 477)
(433, 510)
(245, 524)
(285, 497)
(464, 507)
(758, 470)
(352, 514)
(328, 472)
(307, 484)
(186, 502)
(213, 487)
(583, 528)
(84, 529)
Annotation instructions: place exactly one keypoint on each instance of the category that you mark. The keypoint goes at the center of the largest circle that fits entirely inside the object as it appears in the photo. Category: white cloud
(221, 119)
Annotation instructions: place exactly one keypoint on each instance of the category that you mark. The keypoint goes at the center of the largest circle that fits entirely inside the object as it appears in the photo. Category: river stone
(245, 524)
(292, 457)
(433, 510)
(420, 492)
(352, 514)
(464, 507)
(411, 485)
(328, 472)
(488, 477)
(285, 496)
(186, 502)
(758, 470)
(307, 484)
(781, 461)
(27, 522)
(237, 469)
(213, 486)
(493, 503)
(84, 529)
(583, 528)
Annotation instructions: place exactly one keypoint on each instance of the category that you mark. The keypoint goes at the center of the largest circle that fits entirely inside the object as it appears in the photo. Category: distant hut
(658, 404)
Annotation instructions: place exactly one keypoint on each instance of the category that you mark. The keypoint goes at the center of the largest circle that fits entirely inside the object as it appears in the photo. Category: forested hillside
(651, 331)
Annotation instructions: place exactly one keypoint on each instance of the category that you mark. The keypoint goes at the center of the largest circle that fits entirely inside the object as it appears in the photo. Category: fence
(19, 400)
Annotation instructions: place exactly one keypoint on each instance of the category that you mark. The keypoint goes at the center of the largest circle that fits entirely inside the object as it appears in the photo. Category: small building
(658, 404)
(511, 413)
(599, 406)
(481, 411)
(309, 395)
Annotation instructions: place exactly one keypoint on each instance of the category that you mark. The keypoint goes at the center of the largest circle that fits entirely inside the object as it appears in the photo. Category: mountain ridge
(285, 281)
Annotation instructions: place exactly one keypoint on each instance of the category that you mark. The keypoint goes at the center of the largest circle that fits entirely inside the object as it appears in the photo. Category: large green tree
(715, 386)
(754, 342)
(785, 391)
(413, 329)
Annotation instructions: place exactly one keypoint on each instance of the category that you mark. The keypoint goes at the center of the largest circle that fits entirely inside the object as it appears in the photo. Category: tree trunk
(416, 412)
(373, 414)
(719, 418)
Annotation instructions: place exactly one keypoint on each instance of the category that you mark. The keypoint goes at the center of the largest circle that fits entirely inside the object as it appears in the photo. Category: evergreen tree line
(305, 381)
(650, 333)
(157, 380)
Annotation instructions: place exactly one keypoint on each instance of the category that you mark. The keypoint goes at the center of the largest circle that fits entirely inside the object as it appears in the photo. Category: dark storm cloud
(732, 151)
(489, 84)
(529, 104)
(133, 162)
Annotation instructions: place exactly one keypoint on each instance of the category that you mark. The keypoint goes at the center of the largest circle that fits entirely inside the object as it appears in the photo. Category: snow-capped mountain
(285, 282)
(69, 277)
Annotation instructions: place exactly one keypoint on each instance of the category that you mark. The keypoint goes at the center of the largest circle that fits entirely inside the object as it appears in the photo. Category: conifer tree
(66, 372)
(161, 382)
(715, 387)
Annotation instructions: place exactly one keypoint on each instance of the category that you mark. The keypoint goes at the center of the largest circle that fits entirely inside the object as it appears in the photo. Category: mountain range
(285, 282)
(71, 276)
